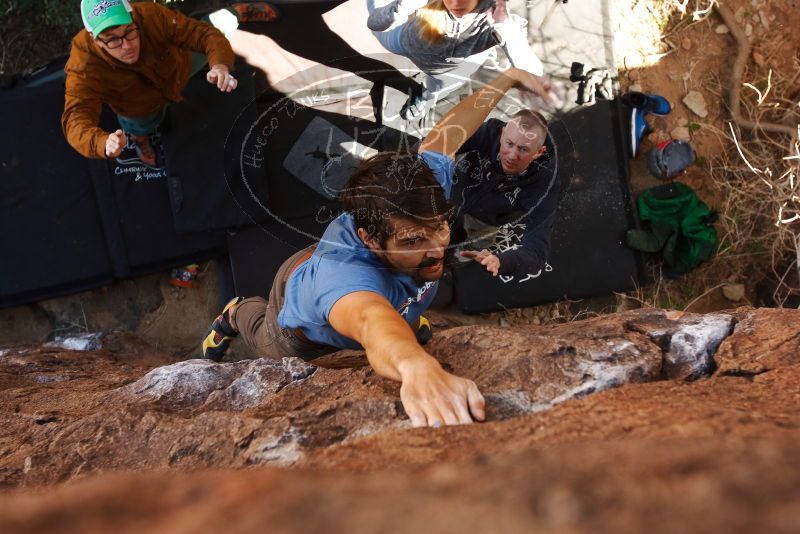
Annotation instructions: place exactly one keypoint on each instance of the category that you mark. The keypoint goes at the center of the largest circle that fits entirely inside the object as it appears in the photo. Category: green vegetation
(32, 32)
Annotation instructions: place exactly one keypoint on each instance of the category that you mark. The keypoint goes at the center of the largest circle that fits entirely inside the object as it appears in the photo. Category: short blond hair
(530, 120)
(527, 118)
(432, 21)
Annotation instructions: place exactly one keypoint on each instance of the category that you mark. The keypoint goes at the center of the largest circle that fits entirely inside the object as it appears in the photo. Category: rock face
(629, 377)
(761, 342)
(628, 487)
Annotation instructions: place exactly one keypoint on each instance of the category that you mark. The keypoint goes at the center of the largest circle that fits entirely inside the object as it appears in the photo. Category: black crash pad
(52, 234)
(138, 212)
(71, 224)
(588, 254)
(202, 142)
(257, 252)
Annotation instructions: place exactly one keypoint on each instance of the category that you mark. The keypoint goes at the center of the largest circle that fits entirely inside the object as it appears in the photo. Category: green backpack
(679, 227)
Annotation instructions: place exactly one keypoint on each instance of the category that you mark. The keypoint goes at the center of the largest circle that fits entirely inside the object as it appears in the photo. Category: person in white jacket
(449, 40)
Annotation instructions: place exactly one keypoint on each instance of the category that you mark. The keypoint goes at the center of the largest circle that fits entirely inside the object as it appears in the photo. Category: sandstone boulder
(85, 412)
(618, 421)
(761, 342)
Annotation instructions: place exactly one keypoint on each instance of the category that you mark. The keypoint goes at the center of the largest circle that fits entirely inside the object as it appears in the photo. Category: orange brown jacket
(159, 76)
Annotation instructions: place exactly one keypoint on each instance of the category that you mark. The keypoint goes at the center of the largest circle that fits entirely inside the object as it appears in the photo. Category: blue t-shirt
(342, 264)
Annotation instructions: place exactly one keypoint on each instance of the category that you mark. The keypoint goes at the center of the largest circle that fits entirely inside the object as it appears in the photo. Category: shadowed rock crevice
(688, 344)
(741, 373)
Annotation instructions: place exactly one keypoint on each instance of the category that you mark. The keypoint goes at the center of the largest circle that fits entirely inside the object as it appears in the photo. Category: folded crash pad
(588, 255)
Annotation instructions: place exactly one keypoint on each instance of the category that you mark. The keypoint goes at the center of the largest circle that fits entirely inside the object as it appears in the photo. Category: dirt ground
(668, 52)
(167, 317)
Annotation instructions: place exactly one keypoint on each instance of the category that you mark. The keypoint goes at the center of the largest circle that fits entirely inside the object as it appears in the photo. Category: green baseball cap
(101, 14)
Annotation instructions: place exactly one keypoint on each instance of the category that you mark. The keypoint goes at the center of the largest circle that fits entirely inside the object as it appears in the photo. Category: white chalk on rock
(77, 342)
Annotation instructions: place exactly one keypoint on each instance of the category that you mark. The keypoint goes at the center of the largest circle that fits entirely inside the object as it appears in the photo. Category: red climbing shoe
(255, 11)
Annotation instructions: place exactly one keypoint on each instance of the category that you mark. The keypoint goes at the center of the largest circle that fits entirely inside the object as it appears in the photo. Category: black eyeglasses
(131, 34)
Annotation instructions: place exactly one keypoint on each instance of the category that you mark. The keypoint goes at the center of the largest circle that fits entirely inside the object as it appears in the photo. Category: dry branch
(742, 55)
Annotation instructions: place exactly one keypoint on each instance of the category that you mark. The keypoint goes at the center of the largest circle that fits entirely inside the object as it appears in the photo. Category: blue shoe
(654, 104)
(639, 128)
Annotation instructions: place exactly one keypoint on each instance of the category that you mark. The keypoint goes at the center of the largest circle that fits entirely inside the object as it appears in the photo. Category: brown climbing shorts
(256, 318)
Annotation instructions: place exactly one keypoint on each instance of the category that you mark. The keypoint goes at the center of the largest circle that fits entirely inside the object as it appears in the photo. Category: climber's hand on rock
(430, 395)
(433, 397)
